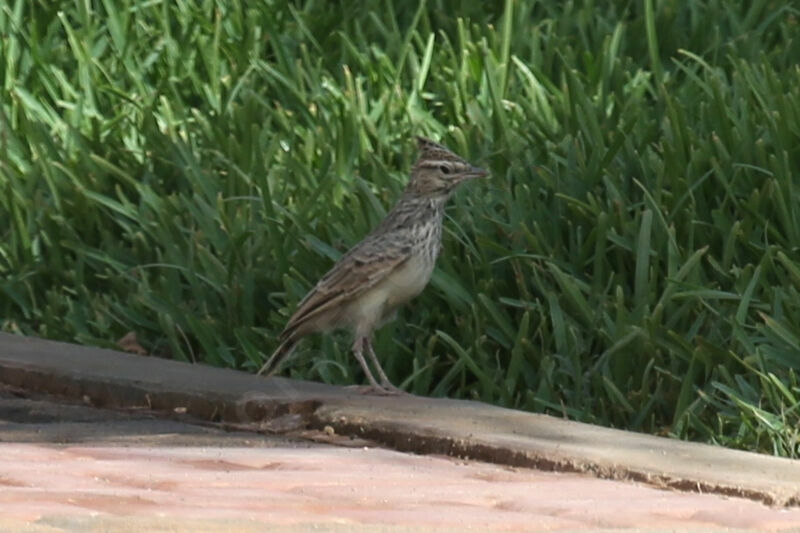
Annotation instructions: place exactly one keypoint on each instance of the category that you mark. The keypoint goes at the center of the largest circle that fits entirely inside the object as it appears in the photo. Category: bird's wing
(358, 270)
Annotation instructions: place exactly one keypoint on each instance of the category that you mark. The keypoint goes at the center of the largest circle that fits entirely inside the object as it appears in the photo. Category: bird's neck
(425, 201)
(414, 210)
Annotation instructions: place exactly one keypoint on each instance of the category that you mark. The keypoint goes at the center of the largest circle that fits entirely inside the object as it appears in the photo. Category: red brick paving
(357, 486)
(69, 467)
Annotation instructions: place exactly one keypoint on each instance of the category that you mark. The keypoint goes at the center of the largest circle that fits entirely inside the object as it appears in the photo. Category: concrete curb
(107, 378)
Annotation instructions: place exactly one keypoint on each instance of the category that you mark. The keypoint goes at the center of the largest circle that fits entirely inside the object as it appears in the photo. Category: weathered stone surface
(420, 425)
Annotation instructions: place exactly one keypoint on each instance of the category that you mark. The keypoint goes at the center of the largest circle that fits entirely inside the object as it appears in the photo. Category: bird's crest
(431, 151)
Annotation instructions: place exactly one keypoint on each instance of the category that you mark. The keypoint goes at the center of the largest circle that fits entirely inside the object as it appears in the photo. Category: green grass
(187, 170)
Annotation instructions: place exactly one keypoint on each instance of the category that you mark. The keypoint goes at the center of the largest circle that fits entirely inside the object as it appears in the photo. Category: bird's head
(438, 170)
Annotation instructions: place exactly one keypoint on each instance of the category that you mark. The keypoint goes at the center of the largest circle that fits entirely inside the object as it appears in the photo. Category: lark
(389, 267)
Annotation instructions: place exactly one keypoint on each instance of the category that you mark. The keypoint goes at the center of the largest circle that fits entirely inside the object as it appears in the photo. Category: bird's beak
(476, 172)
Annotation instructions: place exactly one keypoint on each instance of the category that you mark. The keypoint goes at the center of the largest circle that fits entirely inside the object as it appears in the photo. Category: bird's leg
(358, 348)
(385, 383)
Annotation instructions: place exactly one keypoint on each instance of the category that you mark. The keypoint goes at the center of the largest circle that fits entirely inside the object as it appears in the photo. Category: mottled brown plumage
(387, 268)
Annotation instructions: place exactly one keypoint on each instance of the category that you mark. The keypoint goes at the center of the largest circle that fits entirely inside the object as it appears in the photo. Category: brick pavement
(191, 448)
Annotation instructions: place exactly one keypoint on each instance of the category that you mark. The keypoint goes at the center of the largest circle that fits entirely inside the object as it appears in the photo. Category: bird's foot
(391, 390)
(376, 390)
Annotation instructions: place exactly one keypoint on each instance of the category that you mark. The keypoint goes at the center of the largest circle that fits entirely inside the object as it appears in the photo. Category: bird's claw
(377, 390)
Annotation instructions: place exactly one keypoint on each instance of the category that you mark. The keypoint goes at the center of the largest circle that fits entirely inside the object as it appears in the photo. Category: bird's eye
(444, 169)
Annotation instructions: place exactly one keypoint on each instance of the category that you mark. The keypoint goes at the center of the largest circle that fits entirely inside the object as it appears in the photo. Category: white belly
(407, 281)
(401, 286)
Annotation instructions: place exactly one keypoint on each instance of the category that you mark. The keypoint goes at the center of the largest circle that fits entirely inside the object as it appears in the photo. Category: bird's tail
(282, 352)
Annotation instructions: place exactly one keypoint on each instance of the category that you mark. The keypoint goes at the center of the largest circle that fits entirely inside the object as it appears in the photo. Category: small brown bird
(389, 267)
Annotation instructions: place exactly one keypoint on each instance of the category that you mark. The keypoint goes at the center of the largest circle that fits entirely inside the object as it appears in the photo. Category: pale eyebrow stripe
(437, 162)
